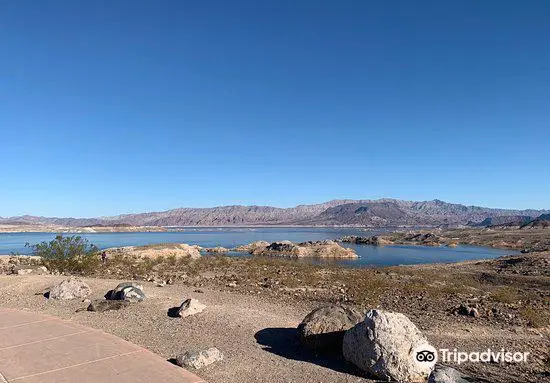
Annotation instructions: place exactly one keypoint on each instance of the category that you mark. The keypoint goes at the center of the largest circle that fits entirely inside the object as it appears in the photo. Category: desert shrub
(535, 317)
(69, 254)
(505, 295)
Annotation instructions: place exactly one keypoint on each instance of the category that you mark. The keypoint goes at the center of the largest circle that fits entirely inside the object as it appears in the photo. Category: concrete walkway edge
(38, 348)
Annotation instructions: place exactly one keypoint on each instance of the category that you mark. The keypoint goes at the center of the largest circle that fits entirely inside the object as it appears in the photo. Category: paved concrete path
(36, 348)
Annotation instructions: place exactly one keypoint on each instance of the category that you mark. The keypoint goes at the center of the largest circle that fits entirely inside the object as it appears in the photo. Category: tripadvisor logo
(424, 355)
(486, 356)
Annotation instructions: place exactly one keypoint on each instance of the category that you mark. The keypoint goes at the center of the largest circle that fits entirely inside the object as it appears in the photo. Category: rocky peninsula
(526, 240)
(312, 249)
(285, 249)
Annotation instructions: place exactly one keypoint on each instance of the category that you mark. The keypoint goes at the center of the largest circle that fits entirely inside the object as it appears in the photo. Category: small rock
(467, 310)
(444, 374)
(70, 289)
(22, 271)
(132, 294)
(44, 292)
(474, 312)
(127, 291)
(199, 359)
(463, 310)
(190, 307)
(232, 284)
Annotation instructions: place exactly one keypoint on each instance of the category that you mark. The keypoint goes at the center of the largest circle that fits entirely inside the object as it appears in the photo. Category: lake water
(231, 237)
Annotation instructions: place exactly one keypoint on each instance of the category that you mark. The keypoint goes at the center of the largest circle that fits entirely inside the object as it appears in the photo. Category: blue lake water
(231, 237)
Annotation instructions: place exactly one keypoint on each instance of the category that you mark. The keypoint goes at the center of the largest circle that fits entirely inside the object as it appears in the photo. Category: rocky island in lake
(312, 249)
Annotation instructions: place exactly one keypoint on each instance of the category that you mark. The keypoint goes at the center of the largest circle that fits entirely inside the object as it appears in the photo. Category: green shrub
(70, 254)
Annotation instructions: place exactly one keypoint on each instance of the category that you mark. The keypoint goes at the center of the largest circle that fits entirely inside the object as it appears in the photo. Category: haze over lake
(231, 237)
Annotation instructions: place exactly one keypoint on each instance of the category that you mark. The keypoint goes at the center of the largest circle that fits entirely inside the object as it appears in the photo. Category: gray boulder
(190, 307)
(132, 294)
(444, 374)
(71, 288)
(127, 291)
(101, 305)
(323, 329)
(199, 359)
(382, 346)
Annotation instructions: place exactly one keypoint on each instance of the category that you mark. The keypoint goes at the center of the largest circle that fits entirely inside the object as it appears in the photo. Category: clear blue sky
(126, 106)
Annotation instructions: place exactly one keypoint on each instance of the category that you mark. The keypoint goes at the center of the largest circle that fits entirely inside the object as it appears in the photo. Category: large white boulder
(383, 346)
(71, 288)
(445, 374)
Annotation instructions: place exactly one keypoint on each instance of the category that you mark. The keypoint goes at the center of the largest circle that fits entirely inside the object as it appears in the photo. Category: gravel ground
(243, 327)
(256, 333)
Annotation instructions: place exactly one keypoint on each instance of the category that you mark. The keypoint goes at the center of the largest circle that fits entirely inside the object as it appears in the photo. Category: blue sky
(126, 106)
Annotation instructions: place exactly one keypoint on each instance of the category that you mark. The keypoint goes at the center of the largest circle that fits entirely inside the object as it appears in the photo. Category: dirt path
(255, 333)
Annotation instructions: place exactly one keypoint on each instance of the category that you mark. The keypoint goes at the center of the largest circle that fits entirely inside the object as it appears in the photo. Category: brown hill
(543, 221)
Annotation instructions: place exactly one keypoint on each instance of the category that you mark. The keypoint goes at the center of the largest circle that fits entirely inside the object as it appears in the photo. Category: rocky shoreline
(525, 240)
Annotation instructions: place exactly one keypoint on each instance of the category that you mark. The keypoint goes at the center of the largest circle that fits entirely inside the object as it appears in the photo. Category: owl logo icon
(425, 355)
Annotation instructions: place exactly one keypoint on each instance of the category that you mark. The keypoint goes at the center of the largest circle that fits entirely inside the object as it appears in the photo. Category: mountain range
(366, 213)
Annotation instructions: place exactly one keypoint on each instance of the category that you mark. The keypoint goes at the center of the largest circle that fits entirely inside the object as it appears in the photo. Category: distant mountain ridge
(367, 213)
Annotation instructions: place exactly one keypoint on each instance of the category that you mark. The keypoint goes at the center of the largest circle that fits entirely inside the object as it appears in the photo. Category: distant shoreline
(14, 229)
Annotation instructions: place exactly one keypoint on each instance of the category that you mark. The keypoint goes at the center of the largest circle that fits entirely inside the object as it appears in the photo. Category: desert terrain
(255, 304)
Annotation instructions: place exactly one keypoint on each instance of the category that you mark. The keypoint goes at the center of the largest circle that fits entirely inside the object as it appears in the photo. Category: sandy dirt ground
(257, 334)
